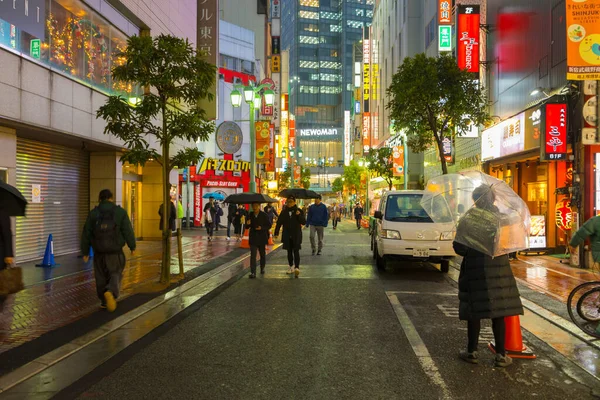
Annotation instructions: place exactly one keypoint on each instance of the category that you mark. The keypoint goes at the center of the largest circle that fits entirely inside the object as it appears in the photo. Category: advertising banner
(467, 37)
(263, 141)
(297, 174)
(589, 133)
(207, 43)
(270, 165)
(197, 205)
(563, 214)
(366, 132)
(583, 39)
(444, 12)
(347, 138)
(447, 150)
(537, 232)
(398, 160)
(555, 133)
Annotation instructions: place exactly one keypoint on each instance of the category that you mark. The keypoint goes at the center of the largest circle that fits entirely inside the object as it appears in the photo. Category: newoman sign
(318, 132)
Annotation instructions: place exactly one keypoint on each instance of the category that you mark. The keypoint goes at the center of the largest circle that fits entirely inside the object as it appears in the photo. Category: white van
(404, 231)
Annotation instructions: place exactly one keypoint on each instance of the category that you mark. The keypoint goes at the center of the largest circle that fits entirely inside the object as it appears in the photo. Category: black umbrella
(12, 201)
(248, 198)
(299, 193)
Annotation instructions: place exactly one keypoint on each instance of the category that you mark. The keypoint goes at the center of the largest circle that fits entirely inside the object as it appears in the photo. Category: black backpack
(105, 236)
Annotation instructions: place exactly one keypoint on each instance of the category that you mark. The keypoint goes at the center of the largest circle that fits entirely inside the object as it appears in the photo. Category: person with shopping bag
(11, 279)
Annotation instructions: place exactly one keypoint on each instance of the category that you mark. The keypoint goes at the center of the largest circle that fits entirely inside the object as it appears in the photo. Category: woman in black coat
(291, 218)
(486, 285)
(258, 223)
(6, 244)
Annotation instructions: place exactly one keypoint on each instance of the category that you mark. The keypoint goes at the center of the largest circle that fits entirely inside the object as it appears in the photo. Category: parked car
(404, 231)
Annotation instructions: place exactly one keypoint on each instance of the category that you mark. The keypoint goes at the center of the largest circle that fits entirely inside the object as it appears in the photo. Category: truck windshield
(405, 208)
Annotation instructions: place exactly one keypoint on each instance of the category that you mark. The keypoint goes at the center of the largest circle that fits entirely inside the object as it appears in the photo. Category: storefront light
(248, 94)
(257, 100)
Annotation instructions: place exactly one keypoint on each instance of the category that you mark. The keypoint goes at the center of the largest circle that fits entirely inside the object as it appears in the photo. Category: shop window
(78, 42)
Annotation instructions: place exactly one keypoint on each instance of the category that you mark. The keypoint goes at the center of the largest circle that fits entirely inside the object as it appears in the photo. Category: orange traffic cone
(514, 339)
(270, 242)
(245, 240)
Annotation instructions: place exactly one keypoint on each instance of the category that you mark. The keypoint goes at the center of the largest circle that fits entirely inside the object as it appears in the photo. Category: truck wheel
(445, 266)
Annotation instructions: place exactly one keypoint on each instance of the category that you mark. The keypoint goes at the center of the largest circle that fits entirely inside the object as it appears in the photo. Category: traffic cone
(270, 242)
(245, 240)
(48, 260)
(514, 340)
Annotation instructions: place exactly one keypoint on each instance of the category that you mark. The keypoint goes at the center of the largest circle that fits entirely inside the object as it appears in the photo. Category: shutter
(63, 174)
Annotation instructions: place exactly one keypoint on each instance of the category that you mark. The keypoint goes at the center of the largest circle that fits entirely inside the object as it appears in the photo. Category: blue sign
(357, 107)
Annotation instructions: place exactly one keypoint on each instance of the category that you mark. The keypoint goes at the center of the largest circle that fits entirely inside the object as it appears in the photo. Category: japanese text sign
(467, 37)
(555, 135)
(398, 160)
(207, 43)
(444, 12)
(583, 39)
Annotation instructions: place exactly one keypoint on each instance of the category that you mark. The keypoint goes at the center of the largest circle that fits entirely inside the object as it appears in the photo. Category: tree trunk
(165, 271)
(441, 154)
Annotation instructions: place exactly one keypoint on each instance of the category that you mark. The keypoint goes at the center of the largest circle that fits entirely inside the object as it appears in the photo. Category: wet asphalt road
(331, 334)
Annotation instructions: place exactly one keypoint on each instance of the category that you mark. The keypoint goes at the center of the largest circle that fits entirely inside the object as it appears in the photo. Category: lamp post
(253, 99)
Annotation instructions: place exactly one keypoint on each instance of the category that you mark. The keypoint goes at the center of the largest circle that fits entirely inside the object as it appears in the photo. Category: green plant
(380, 163)
(175, 77)
(431, 99)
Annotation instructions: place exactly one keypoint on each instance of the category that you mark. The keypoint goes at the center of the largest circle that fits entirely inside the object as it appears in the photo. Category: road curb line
(34, 367)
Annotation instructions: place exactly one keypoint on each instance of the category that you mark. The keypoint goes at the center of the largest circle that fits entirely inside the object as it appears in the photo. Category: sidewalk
(57, 297)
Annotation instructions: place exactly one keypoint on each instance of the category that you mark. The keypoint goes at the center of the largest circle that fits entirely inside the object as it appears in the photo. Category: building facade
(320, 37)
(56, 66)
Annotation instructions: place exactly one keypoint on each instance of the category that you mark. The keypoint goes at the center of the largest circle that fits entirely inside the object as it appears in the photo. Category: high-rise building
(320, 36)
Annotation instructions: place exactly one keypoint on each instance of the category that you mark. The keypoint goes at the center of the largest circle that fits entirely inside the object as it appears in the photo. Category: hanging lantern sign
(564, 215)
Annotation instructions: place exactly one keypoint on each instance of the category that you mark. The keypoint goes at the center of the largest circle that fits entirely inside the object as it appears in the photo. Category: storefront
(529, 152)
(55, 181)
(223, 176)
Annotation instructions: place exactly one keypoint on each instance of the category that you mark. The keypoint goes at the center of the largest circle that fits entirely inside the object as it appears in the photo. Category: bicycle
(583, 306)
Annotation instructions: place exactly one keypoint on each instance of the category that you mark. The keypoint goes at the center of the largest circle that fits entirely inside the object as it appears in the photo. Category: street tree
(285, 178)
(338, 185)
(174, 77)
(305, 177)
(353, 174)
(380, 163)
(432, 99)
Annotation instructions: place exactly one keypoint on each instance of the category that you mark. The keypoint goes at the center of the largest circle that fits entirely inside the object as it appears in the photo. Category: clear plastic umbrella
(488, 215)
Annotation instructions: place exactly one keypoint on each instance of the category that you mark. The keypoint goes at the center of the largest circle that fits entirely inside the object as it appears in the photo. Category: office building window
(309, 3)
(308, 14)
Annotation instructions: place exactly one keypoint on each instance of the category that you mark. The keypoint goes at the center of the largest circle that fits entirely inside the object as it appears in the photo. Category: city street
(342, 330)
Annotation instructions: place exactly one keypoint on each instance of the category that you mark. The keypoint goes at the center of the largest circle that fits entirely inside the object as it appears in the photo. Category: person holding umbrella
(239, 216)
(210, 216)
(258, 223)
(486, 284)
(12, 204)
(292, 220)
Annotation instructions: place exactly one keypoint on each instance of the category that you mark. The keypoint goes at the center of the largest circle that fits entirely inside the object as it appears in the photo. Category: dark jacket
(292, 227)
(358, 212)
(591, 230)
(6, 239)
(318, 215)
(172, 216)
(271, 213)
(126, 235)
(258, 237)
(486, 285)
(239, 213)
(231, 209)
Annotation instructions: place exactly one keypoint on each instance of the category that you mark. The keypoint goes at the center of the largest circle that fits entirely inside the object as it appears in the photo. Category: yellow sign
(366, 81)
(374, 81)
(212, 164)
(275, 63)
(583, 39)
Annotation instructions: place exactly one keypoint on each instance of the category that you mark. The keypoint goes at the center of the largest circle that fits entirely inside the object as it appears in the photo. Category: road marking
(165, 306)
(418, 346)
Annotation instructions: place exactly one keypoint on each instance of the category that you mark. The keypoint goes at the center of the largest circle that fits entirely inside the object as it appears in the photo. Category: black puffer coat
(486, 286)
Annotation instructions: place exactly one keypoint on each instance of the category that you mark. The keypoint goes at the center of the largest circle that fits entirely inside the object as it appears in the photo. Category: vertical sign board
(444, 12)
(583, 39)
(554, 147)
(207, 43)
(398, 160)
(276, 121)
(347, 138)
(366, 132)
(467, 38)
(366, 73)
(35, 48)
(445, 38)
(275, 45)
(275, 9)
(265, 109)
(447, 150)
(197, 204)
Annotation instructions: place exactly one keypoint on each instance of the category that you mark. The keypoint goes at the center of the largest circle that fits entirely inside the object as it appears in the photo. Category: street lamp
(253, 99)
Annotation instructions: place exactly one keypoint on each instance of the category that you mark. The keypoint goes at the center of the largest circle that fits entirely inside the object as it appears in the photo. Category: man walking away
(259, 225)
(335, 215)
(172, 216)
(317, 219)
(358, 213)
(271, 212)
(292, 220)
(231, 210)
(210, 216)
(107, 229)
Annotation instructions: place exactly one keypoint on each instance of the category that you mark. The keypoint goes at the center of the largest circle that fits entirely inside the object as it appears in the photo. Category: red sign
(564, 216)
(197, 205)
(555, 136)
(467, 37)
(265, 109)
(444, 12)
(292, 132)
(209, 183)
(297, 174)
(366, 128)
